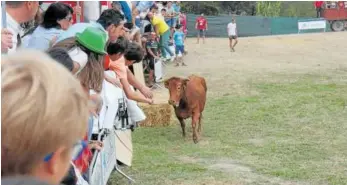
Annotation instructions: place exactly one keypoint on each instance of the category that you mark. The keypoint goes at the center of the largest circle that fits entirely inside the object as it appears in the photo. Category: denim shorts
(179, 49)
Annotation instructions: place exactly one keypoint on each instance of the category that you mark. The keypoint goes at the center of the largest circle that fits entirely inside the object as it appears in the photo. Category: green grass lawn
(288, 133)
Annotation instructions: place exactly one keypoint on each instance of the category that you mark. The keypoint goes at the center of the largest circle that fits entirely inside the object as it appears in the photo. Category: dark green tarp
(247, 25)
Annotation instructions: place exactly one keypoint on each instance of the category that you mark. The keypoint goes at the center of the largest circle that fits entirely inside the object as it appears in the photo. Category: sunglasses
(77, 150)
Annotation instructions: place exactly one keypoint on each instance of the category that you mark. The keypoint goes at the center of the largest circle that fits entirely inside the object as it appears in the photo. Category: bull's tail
(204, 84)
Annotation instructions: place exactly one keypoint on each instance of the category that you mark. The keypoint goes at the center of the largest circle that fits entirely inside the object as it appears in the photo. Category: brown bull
(188, 97)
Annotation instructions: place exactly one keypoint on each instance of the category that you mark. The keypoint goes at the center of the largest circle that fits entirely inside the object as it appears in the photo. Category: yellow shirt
(161, 24)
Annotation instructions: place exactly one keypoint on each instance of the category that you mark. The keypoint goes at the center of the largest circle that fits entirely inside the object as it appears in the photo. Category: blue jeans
(164, 43)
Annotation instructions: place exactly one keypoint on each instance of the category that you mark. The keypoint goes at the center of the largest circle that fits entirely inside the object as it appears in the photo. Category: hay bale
(159, 114)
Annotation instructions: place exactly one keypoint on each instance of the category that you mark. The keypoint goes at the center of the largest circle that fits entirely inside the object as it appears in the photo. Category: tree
(269, 8)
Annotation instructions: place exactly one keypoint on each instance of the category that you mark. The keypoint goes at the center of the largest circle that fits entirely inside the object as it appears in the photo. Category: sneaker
(172, 59)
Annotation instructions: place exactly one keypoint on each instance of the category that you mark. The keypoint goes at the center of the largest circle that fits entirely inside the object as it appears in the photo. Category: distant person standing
(318, 5)
(201, 27)
(232, 33)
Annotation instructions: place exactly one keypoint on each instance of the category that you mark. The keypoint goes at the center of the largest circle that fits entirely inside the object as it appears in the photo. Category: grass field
(263, 124)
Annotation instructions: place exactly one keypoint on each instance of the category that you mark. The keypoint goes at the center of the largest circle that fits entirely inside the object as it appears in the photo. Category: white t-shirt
(79, 56)
(232, 29)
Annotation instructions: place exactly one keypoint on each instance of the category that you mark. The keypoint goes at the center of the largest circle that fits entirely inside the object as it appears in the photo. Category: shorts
(201, 33)
(179, 49)
(169, 22)
(232, 37)
(151, 63)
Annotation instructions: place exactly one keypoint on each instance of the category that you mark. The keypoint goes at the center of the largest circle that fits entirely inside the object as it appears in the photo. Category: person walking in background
(201, 27)
(232, 33)
(318, 5)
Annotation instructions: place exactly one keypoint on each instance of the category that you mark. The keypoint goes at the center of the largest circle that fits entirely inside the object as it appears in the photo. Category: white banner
(308, 25)
(158, 70)
(105, 161)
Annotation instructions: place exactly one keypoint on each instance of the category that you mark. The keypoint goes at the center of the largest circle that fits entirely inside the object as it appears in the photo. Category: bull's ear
(185, 81)
(166, 84)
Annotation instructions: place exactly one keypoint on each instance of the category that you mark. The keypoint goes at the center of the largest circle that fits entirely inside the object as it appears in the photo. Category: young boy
(178, 37)
(120, 62)
(232, 33)
(152, 50)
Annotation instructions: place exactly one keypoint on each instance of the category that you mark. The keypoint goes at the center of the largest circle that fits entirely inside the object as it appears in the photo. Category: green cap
(93, 39)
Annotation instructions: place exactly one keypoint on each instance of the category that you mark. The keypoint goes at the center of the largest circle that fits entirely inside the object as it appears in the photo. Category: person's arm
(132, 95)
(196, 25)
(135, 83)
(151, 52)
(126, 10)
(112, 80)
(206, 25)
(156, 29)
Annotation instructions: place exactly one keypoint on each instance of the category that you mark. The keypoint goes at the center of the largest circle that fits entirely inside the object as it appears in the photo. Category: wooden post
(138, 72)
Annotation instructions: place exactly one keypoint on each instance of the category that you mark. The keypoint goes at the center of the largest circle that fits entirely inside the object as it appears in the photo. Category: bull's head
(176, 88)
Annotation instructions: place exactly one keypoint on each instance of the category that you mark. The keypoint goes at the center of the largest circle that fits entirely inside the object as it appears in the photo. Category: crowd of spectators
(53, 72)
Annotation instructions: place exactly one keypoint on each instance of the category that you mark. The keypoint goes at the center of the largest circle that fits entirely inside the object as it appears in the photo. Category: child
(121, 59)
(152, 49)
(178, 37)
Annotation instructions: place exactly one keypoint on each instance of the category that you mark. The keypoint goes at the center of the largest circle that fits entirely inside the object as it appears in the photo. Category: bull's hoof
(195, 139)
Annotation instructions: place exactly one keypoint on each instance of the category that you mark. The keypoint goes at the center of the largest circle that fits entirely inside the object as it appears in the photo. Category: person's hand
(97, 145)
(6, 40)
(146, 92)
(77, 10)
(150, 101)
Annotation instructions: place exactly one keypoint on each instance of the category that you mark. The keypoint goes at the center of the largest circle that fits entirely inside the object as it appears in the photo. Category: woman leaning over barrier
(86, 50)
(44, 114)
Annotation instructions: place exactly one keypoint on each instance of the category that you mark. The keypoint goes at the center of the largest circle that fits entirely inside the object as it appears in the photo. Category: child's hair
(36, 91)
(163, 10)
(61, 56)
(129, 25)
(133, 52)
(178, 26)
(117, 47)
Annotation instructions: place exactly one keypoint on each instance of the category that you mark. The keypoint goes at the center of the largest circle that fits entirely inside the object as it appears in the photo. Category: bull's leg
(195, 120)
(183, 126)
(199, 126)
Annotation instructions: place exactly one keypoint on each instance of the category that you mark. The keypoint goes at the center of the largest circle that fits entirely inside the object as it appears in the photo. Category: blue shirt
(177, 9)
(143, 6)
(126, 10)
(41, 38)
(77, 28)
(178, 38)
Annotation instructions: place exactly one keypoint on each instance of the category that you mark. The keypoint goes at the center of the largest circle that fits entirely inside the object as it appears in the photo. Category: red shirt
(201, 23)
(318, 4)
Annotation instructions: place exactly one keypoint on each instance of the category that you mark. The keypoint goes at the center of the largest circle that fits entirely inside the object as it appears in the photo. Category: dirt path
(259, 57)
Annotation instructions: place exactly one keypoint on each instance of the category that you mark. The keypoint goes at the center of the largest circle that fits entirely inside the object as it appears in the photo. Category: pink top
(119, 68)
(183, 21)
